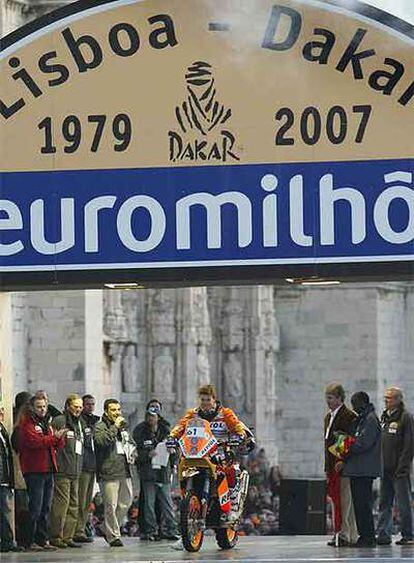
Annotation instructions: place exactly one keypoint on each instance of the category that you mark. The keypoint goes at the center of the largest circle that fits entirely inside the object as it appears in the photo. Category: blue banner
(300, 213)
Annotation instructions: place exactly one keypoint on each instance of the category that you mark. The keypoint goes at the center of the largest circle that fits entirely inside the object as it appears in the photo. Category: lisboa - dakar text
(274, 214)
(125, 39)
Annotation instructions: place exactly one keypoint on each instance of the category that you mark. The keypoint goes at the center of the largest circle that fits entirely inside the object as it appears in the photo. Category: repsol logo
(87, 53)
(389, 78)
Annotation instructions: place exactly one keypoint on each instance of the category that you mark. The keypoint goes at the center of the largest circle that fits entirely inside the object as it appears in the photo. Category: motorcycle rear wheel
(226, 538)
(191, 510)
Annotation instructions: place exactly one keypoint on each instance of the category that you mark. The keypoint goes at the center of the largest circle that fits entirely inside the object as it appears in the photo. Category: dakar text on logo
(201, 117)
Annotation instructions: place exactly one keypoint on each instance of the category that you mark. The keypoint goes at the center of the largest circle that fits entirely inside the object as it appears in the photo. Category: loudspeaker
(302, 508)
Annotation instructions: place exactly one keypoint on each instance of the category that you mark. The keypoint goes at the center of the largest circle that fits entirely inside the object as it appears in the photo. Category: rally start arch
(206, 141)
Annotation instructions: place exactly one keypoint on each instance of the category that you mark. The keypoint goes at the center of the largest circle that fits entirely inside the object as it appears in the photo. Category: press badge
(119, 448)
(78, 447)
(392, 430)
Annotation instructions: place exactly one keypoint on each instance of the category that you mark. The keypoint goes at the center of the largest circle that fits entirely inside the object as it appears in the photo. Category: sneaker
(71, 543)
(59, 543)
(12, 549)
(178, 545)
(116, 543)
(173, 537)
(82, 539)
(48, 547)
(147, 537)
(331, 542)
(362, 542)
(35, 547)
(405, 541)
(383, 540)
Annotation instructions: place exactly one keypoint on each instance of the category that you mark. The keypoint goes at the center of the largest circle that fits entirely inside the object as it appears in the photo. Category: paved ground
(293, 549)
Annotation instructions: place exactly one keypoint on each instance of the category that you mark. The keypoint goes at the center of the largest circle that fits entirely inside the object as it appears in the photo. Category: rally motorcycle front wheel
(226, 538)
(192, 532)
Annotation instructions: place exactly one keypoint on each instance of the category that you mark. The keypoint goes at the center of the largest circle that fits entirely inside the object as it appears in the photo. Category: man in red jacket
(38, 443)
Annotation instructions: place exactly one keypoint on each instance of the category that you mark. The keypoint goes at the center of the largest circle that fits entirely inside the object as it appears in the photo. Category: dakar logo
(201, 118)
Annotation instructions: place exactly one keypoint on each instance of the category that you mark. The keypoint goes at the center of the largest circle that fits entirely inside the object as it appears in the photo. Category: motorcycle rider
(224, 424)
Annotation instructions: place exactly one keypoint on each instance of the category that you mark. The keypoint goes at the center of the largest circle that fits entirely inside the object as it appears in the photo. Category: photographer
(154, 476)
(115, 452)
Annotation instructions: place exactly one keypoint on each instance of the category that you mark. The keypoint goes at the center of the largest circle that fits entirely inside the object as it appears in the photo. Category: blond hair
(207, 390)
(70, 398)
(335, 389)
(396, 391)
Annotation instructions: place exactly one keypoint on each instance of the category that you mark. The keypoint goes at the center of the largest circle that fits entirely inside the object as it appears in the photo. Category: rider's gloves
(171, 442)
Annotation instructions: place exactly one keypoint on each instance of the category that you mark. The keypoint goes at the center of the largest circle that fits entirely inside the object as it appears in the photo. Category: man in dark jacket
(64, 514)
(339, 419)
(115, 452)
(154, 479)
(363, 465)
(397, 455)
(87, 477)
(6, 488)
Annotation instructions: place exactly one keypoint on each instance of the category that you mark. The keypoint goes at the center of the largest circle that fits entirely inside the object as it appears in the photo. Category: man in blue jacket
(363, 465)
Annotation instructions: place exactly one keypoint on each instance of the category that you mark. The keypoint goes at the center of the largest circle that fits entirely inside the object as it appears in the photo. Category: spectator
(163, 423)
(363, 465)
(37, 445)
(114, 455)
(6, 489)
(64, 515)
(21, 506)
(155, 481)
(52, 412)
(397, 454)
(87, 477)
(339, 419)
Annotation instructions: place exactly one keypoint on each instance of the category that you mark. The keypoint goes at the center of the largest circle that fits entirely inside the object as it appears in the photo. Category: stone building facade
(269, 349)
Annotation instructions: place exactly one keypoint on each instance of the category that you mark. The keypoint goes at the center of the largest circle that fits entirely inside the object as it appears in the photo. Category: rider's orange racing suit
(223, 424)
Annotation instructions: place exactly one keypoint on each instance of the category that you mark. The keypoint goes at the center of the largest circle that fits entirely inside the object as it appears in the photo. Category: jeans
(6, 531)
(400, 489)
(159, 492)
(40, 493)
(362, 498)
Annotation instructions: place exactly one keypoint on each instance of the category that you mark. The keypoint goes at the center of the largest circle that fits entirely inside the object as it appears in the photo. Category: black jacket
(70, 462)
(111, 464)
(343, 422)
(6, 459)
(146, 441)
(364, 459)
(397, 442)
(89, 458)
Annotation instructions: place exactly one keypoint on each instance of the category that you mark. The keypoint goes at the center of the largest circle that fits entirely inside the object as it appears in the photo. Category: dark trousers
(154, 493)
(40, 492)
(6, 531)
(362, 498)
(400, 489)
(21, 516)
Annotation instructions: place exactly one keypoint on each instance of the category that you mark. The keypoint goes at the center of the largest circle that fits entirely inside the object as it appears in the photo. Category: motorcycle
(206, 497)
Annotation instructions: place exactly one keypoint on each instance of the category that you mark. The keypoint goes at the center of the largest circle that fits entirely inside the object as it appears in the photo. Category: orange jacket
(224, 423)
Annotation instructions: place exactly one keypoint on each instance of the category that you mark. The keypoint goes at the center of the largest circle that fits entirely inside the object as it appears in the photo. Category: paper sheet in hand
(161, 456)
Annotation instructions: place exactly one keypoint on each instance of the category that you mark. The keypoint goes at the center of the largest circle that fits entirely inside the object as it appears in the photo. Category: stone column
(6, 383)
(94, 347)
